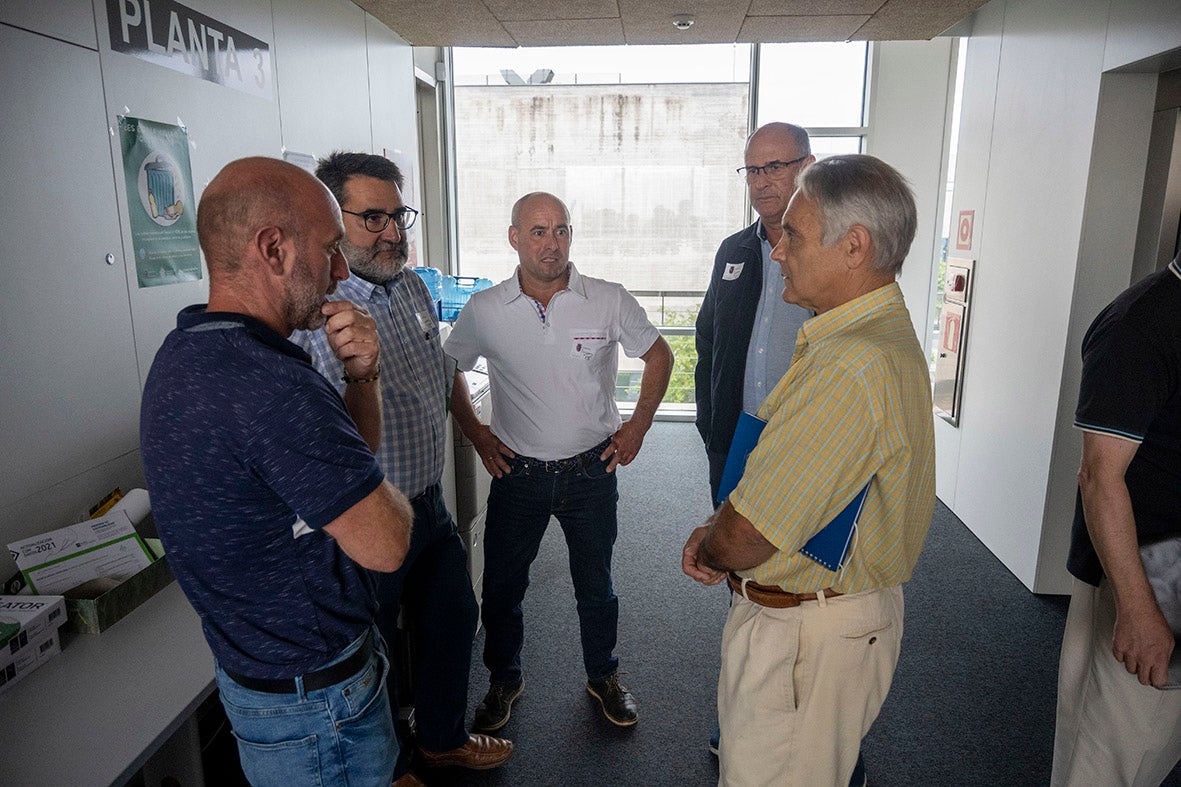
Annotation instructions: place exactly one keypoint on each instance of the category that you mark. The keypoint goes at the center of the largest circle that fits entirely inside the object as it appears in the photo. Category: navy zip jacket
(724, 326)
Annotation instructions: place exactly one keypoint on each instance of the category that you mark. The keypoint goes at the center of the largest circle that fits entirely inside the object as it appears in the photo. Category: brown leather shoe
(480, 753)
(408, 779)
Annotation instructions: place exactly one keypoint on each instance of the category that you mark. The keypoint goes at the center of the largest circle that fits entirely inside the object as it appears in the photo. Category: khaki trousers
(800, 687)
(1110, 729)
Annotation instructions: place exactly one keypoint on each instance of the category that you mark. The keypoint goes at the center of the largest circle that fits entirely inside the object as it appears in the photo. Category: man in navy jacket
(746, 333)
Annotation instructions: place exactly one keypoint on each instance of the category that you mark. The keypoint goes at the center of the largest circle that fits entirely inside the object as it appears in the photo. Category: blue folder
(829, 547)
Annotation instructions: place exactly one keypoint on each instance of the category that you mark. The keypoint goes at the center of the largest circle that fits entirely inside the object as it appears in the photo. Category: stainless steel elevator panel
(953, 336)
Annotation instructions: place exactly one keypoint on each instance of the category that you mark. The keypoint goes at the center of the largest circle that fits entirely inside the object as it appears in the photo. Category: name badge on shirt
(732, 271)
(585, 344)
(428, 322)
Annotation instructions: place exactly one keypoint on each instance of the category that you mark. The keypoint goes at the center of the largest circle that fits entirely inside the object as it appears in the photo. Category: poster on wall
(160, 205)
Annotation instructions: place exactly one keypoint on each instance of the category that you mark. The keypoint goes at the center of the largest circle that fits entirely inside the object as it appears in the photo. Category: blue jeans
(519, 509)
(340, 735)
(433, 588)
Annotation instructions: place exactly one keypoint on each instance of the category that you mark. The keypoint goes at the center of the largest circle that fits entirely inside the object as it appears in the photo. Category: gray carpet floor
(972, 701)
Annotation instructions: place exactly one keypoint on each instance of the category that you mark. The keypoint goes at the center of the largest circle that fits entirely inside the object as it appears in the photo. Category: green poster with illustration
(160, 202)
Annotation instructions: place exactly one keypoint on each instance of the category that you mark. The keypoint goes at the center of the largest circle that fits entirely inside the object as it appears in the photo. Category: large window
(642, 143)
(818, 86)
(949, 188)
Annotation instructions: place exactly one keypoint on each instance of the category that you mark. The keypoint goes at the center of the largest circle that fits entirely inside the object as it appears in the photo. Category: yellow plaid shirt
(854, 405)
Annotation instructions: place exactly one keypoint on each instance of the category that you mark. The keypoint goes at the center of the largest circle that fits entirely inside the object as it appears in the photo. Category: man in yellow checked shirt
(808, 653)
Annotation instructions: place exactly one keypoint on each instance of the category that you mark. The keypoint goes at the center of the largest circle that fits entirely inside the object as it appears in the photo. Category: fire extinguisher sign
(963, 233)
(951, 333)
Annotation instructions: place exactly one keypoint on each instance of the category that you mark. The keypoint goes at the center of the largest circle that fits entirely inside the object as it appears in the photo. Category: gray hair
(859, 189)
(797, 134)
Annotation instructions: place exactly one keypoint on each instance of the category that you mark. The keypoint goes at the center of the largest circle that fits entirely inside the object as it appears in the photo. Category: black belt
(425, 494)
(312, 681)
(568, 465)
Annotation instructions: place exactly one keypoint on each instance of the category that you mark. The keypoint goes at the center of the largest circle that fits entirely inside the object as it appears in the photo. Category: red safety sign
(963, 235)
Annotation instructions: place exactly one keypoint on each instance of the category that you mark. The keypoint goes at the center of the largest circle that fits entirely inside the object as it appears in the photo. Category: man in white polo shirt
(550, 338)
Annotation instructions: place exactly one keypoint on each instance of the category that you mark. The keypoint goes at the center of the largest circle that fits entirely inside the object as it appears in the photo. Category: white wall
(908, 116)
(1054, 235)
(79, 335)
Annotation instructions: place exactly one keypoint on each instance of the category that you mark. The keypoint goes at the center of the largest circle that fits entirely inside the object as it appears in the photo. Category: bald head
(787, 135)
(248, 195)
(774, 156)
(539, 198)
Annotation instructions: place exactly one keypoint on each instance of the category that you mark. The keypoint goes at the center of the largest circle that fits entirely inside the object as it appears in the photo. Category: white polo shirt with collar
(552, 370)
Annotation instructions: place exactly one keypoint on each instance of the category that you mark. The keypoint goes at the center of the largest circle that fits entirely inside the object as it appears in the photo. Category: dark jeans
(434, 589)
(717, 463)
(519, 509)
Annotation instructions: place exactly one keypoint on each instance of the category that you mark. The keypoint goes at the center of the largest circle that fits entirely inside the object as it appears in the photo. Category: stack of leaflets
(28, 634)
(107, 549)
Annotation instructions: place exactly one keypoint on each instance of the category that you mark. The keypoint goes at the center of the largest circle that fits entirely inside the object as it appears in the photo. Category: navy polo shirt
(248, 452)
(1131, 388)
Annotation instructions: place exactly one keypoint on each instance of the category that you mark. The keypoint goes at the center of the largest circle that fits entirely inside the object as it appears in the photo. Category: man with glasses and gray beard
(433, 585)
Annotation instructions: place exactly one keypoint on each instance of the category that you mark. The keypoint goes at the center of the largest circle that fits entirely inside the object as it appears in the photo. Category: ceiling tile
(574, 32)
(531, 10)
(439, 22)
(574, 22)
(651, 21)
(915, 20)
(813, 7)
(783, 29)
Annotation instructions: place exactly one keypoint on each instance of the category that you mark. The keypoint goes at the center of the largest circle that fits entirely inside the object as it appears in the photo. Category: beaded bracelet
(376, 374)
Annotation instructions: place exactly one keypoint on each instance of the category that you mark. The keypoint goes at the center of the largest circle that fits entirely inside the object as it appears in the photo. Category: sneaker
(715, 741)
(619, 706)
(493, 711)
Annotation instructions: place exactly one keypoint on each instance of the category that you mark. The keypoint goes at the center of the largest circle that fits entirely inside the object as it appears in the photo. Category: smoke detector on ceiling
(683, 21)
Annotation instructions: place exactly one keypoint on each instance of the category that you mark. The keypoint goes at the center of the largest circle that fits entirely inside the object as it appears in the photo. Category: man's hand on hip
(493, 453)
(352, 335)
(625, 444)
(1143, 642)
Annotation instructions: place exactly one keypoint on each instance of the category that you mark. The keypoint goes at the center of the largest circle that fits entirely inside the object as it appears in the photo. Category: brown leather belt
(771, 596)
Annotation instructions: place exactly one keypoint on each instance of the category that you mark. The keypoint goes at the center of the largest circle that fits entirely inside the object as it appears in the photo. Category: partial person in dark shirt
(267, 496)
(1114, 726)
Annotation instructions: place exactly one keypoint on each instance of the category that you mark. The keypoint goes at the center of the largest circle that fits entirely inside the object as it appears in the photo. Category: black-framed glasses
(378, 220)
(772, 169)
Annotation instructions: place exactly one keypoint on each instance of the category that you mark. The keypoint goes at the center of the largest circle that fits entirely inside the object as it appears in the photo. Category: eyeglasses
(772, 169)
(378, 220)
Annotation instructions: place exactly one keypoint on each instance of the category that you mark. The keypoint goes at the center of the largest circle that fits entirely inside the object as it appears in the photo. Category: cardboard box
(29, 631)
(62, 559)
(24, 619)
(94, 612)
(13, 667)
